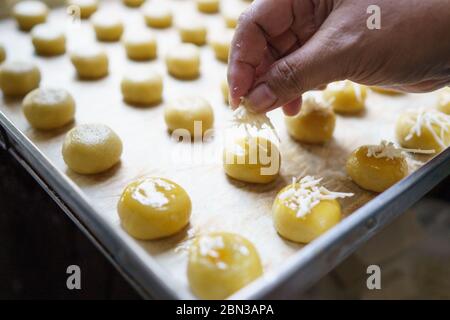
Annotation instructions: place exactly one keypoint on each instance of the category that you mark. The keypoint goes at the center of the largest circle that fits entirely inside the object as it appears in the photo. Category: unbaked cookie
(91, 148)
(140, 45)
(153, 208)
(142, 87)
(133, 3)
(183, 61)
(157, 15)
(192, 31)
(220, 42)
(225, 90)
(86, 7)
(108, 27)
(208, 6)
(346, 97)
(17, 78)
(221, 263)
(30, 13)
(48, 40)
(90, 62)
(48, 108)
(2, 54)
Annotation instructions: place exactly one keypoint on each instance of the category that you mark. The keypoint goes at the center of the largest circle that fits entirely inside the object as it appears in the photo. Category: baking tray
(157, 269)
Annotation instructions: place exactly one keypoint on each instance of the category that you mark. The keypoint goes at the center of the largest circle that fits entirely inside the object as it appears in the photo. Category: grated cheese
(313, 102)
(306, 193)
(209, 246)
(391, 151)
(428, 119)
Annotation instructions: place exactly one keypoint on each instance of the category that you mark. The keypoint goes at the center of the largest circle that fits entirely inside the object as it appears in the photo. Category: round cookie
(142, 87)
(443, 101)
(48, 108)
(303, 211)
(193, 114)
(2, 53)
(48, 40)
(220, 264)
(220, 42)
(153, 208)
(208, 6)
(30, 13)
(314, 123)
(252, 159)
(90, 62)
(183, 61)
(140, 45)
(374, 171)
(91, 148)
(157, 15)
(17, 78)
(108, 27)
(133, 3)
(346, 97)
(86, 7)
(426, 130)
(192, 31)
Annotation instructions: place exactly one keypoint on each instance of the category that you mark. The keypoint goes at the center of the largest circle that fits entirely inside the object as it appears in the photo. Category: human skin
(283, 48)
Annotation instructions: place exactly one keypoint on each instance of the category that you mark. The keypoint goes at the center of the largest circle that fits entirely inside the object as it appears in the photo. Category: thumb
(318, 62)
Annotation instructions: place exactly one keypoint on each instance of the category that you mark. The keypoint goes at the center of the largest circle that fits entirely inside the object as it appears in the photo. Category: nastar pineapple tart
(48, 40)
(304, 210)
(90, 62)
(157, 15)
(208, 6)
(152, 208)
(142, 87)
(221, 263)
(30, 13)
(346, 97)
(220, 42)
(140, 45)
(192, 30)
(86, 7)
(183, 61)
(91, 148)
(108, 26)
(17, 78)
(133, 3)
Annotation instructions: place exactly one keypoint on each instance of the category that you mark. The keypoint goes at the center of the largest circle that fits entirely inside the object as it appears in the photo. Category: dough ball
(133, 3)
(86, 7)
(193, 114)
(252, 159)
(49, 108)
(140, 45)
(17, 78)
(220, 42)
(90, 62)
(192, 31)
(225, 91)
(443, 101)
(314, 123)
(30, 13)
(48, 40)
(157, 15)
(153, 208)
(220, 264)
(306, 227)
(183, 61)
(386, 91)
(142, 87)
(2, 54)
(426, 130)
(108, 27)
(375, 174)
(231, 12)
(208, 6)
(346, 97)
(91, 148)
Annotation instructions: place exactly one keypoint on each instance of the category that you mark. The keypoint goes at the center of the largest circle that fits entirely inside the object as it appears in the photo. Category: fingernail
(261, 98)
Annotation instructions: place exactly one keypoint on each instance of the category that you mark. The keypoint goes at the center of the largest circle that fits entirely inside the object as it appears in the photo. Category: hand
(283, 48)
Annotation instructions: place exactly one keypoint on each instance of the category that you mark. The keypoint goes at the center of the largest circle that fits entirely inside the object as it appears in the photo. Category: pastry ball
(220, 42)
(192, 31)
(153, 208)
(443, 102)
(143, 87)
(2, 54)
(140, 45)
(225, 90)
(90, 62)
(17, 78)
(252, 159)
(346, 97)
(48, 108)
(157, 15)
(314, 123)
(220, 264)
(133, 3)
(30, 13)
(426, 130)
(208, 6)
(387, 91)
(303, 226)
(183, 61)
(108, 27)
(193, 114)
(91, 148)
(87, 7)
(231, 12)
(375, 173)
(48, 40)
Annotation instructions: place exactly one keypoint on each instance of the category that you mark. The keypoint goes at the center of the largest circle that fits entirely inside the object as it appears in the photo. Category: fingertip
(292, 108)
